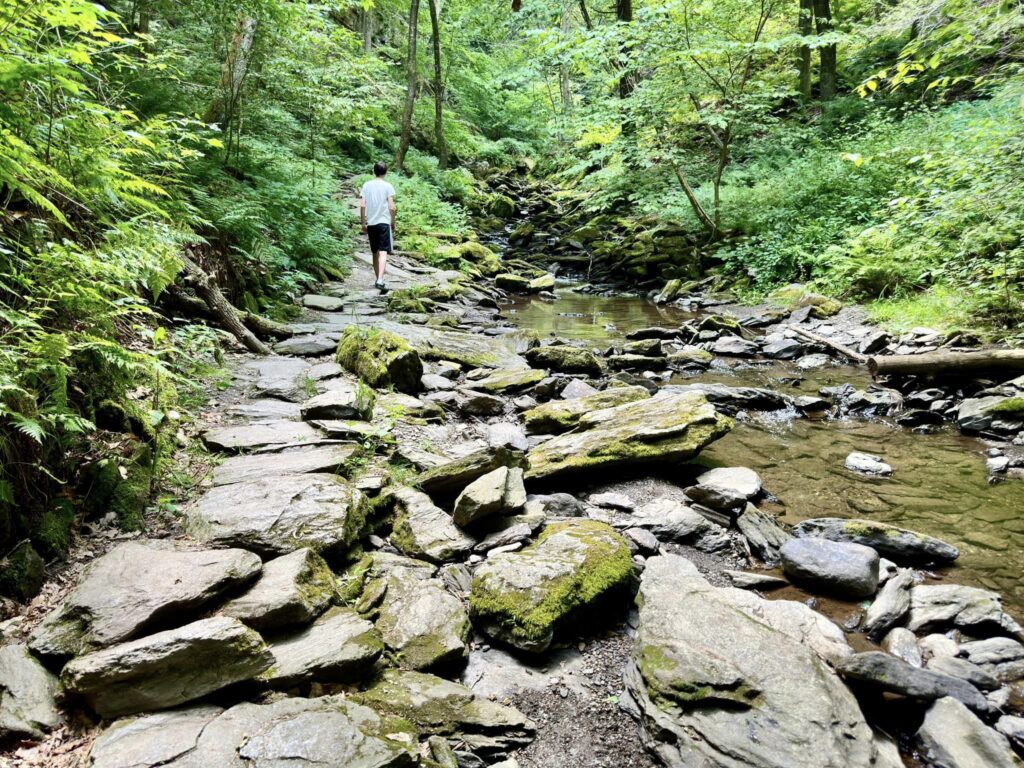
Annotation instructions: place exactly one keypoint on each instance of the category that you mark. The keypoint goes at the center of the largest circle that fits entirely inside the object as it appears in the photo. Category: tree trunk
(563, 70)
(410, 93)
(220, 307)
(823, 25)
(232, 75)
(176, 299)
(624, 15)
(435, 33)
(367, 25)
(586, 15)
(949, 363)
(805, 26)
(698, 209)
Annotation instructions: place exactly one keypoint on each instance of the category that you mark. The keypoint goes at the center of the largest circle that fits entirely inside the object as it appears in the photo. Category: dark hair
(379, 169)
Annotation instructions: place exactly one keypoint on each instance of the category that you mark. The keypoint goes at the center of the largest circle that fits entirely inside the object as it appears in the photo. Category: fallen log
(840, 348)
(949, 363)
(221, 308)
(177, 299)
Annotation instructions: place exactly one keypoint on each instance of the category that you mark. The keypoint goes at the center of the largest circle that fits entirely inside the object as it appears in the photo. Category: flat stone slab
(313, 345)
(512, 380)
(283, 378)
(27, 692)
(293, 589)
(266, 409)
(664, 429)
(337, 647)
(321, 302)
(136, 587)
(251, 437)
(342, 400)
(721, 671)
(560, 416)
(275, 515)
(168, 668)
(425, 625)
(293, 461)
(451, 478)
(299, 732)
(898, 544)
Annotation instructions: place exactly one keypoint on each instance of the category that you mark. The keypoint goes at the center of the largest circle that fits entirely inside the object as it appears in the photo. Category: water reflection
(940, 485)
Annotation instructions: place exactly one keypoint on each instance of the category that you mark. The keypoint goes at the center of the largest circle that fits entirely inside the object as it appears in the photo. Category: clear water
(940, 485)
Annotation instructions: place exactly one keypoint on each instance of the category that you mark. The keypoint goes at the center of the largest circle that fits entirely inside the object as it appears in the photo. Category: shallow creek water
(940, 484)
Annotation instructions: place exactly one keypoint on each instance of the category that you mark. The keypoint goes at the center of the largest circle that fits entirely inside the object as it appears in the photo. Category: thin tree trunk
(698, 209)
(624, 15)
(586, 15)
(367, 24)
(222, 309)
(232, 75)
(805, 26)
(435, 33)
(823, 25)
(410, 93)
(563, 70)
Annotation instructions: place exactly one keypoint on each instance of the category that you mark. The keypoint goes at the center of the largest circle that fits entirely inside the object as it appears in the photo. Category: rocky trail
(428, 536)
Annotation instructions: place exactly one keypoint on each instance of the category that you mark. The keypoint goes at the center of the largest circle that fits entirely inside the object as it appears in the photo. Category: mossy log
(948, 363)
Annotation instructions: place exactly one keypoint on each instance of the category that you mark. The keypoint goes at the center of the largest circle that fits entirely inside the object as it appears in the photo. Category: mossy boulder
(510, 380)
(796, 296)
(564, 358)
(544, 282)
(502, 206)
(121, 485)
(671, 427)
(512, 283)
(380, 358)
(560, 416)
(670, 291)
(22, 572)
(480, 256)
(522, 235)
(523, 598)
(404, 301)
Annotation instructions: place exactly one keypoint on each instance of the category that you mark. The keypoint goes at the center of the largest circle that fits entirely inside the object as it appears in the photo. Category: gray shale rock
(277, 515)
(293, 461)
(449, 479)
(721, 679)
(293, 589)
(27, 691)
(890, 606)
(168, 668)
(425, 625)
(727, 489)
(498, 492)
(952, 737)
(345, 400)
(424, 530)
(897, 544)
(942, 606)
(267, 434)
(847, 570)
(338, 647)
(135, 587)
(764, 535)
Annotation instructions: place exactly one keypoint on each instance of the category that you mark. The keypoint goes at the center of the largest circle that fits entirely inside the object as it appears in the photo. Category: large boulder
(566, 359)
(435, 706)
(498, 492)
(424, 530)
(293, 589)
(523, 598)
(952, 737)
(722, 678)
(422, 623)
(939, 607)
(136, 587)
(898, 544)
(344, 400)
(846, 570)
(298, 732)
(337, 647)
(276, 515)
(380, 358)
(664, 429)
(27, 691)
(560, 416)
(168, 668)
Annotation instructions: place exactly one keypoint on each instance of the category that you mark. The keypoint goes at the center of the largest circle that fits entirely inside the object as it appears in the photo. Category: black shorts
(380, 237)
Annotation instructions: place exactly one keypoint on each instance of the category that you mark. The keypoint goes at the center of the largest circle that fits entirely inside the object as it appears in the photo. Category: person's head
(379, 169)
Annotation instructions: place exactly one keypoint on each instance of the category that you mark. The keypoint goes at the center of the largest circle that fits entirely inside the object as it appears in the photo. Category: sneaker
(378, 283)
(383, 286)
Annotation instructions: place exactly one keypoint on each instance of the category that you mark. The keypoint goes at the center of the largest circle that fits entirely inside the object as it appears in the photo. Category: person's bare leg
(383, 265)
(376, 266)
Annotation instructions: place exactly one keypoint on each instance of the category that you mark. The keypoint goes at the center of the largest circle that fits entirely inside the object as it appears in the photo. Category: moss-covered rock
(513, 283)
(542, 283)
(670, 291)
(121, 485)
(22, 572)
(560, 416)
(671, 427)
(404, 301)
(510, 380)
(380, 358)
(562, 357)
(797, 296)
(480, 256)
(523, 598)
(502, 206)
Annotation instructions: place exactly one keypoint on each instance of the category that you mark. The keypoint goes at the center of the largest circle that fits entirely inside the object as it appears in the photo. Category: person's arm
(394, 212)
(362, 211)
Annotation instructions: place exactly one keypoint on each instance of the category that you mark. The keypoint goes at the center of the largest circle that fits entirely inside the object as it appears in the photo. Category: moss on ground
(380, 358)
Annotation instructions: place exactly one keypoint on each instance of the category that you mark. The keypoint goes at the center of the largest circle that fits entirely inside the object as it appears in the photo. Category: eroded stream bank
(426, 523)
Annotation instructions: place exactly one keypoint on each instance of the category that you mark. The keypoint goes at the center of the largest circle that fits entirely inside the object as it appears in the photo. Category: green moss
(1013, 406)
(122, 486)
(531, 620)
(22, 573)
(53, 534)
(380, 358)
(560, 416)
(405, 301)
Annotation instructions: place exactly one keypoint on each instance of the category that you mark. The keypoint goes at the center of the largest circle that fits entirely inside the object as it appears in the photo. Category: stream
(940, 484)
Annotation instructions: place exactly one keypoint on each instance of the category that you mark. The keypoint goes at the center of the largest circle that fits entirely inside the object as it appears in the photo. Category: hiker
(377, 211)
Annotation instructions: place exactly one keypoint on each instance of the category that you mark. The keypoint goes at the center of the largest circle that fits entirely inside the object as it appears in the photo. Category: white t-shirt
(375, 195)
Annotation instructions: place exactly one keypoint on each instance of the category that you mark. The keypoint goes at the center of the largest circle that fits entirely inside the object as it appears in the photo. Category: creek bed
(939, 487)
